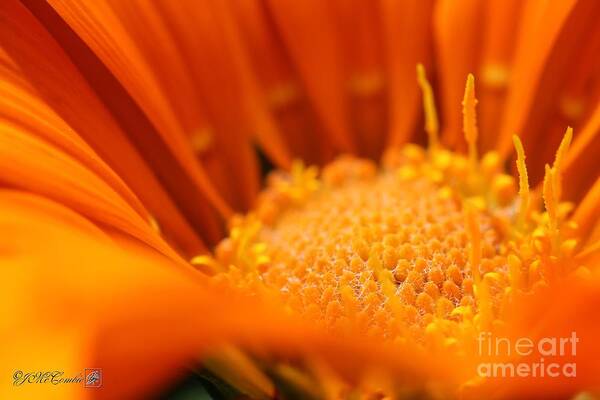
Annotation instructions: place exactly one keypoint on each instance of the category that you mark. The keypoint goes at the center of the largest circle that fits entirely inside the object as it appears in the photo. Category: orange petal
(67, 282)
(357, 26)
(581, 163)
(266, 132)
(280, 86)
(407, 41)
(554, 313)
(541, 25)
(553, 34)
(574, 102)
(134, 98)
(456, 32)
(33, 62)
(589, 257)
(32, 164)
(500, 31)
(203, 84)
(307, 32)
(588, 211)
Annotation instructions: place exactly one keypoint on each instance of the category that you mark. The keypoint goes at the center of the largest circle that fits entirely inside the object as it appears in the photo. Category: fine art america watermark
(551, 357)
(89, 377)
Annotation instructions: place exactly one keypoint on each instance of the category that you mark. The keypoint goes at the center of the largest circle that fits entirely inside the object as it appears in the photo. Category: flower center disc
(386, 252)
(375, 249)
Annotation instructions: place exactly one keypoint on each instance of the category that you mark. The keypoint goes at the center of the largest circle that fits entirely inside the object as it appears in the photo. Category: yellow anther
(474, 235)
(407, 173)
(470, 118)
(463, 311)
(431, 119)
(549, 196)
(523, 180)
(493, 278)
(413, 153)
(568, 247)
(503, 189)
(303, 181)
(206, 263)
(490, 164)
(560, 155)
(477, 202)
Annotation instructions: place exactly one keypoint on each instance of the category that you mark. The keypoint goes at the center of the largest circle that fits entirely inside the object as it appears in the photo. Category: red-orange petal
(457, 43)
(582, 157)
(121, 77)
(307, 32)
(402, 23)
(37, 71)
(553, 313)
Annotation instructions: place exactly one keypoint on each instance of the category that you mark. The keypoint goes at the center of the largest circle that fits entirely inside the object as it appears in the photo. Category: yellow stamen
(523, 180)
(549, 196)
(470, 118)
(560, 155)
(431, 119)
(206, 263)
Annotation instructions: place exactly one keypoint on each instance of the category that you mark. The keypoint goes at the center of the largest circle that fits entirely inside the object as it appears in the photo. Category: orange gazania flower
(136, 238)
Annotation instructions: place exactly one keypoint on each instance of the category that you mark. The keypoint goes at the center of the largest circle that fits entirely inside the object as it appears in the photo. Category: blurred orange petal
(78, 300)
(554, 313)
(308, 35)
(403, 23)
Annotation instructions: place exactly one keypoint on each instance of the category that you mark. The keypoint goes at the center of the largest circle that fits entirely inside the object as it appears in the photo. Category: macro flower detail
(430, 248)
(316, 199)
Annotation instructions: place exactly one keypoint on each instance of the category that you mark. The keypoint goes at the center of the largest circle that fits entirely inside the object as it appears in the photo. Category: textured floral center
(390, 252)
(431, 247)
(372, 248)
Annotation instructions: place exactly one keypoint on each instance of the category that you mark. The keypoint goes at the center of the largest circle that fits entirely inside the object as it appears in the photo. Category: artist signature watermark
(551, 357)
(89, 378)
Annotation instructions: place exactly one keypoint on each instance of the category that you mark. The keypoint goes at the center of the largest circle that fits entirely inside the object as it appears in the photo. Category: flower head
(381, 254)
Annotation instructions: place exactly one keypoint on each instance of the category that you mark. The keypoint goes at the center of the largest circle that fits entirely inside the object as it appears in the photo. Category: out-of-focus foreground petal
(72, 299)
(554, 313)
